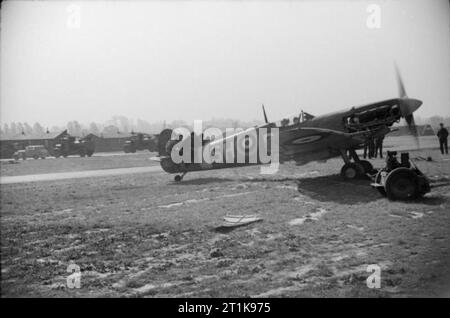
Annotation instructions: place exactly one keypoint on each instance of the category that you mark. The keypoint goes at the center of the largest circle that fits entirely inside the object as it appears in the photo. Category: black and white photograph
(244, 150)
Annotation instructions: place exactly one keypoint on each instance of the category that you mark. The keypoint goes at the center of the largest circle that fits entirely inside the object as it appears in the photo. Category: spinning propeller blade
(407, 106)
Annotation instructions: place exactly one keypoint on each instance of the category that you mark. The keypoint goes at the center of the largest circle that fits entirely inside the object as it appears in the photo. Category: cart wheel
(352, 171)
(401, 184)
(178, 178)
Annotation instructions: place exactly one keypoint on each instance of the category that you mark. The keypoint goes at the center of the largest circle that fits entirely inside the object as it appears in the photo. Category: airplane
(307, 138)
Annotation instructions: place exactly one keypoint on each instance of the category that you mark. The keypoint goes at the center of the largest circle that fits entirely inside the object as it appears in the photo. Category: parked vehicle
(140, 141)
(36, 152)
(74, 146)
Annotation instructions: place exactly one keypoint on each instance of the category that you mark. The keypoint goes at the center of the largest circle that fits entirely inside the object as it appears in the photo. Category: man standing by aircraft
(379, 146)
(369, 146)
(443, 136)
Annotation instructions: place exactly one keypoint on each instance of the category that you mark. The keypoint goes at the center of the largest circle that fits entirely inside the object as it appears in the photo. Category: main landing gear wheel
(368, 168)
(178, 177)
(352, 171)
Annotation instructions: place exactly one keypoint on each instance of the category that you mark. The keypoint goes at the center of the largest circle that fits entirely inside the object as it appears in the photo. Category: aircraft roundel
(306, 140)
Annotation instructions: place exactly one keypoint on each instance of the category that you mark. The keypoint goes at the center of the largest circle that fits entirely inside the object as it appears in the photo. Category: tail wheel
(177, 178)
(401, 184)
(352, 171)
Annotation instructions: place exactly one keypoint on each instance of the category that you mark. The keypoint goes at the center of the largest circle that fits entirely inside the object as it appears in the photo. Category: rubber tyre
(368, 168)
(351, 171)
(401, 184)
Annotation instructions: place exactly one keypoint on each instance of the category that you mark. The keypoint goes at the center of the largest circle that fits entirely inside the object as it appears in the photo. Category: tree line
(116, 126)
(119, 125)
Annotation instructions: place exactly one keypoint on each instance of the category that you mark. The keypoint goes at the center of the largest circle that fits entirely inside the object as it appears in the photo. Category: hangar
(10, 145)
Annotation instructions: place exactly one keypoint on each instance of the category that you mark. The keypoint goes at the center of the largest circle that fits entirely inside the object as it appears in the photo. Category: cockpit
(294, 120)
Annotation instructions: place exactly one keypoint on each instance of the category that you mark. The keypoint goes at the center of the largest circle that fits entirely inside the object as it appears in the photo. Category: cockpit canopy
(294, 120)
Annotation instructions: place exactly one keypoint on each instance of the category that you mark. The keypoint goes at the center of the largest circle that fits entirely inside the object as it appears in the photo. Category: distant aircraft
(307, 138)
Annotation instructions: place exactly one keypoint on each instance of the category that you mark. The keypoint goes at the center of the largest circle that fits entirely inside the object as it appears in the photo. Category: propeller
(407, 106)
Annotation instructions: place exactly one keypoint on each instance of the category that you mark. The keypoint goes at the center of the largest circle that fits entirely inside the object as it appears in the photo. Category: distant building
(109, 142)
(10, 145)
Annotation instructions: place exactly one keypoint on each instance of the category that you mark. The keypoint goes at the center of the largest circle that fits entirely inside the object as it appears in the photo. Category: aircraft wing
(306, 140)
(313, 135)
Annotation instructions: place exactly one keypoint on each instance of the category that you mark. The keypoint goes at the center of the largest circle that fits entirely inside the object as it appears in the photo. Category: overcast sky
(197, 60)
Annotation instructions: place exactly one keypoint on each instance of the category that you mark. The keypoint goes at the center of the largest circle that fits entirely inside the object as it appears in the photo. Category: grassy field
(74, 163)
(144, 235)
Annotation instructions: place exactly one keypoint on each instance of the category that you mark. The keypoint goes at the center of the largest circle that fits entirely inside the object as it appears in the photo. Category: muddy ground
(144, 235)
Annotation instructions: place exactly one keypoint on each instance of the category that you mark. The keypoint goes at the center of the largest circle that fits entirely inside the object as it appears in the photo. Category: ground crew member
(379, 146)
(369, 146)
(443, 136)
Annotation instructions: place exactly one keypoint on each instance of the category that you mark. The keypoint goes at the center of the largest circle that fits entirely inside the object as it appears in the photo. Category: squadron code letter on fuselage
(206, 309)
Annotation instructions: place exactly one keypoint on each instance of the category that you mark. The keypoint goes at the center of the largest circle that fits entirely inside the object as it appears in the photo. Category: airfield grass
(76, 163)
(147, 236)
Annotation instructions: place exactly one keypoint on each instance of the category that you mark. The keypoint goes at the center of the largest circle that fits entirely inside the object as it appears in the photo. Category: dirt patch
(143, 235)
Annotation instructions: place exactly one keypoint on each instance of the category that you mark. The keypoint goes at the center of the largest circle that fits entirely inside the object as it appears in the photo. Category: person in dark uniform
(443, 136)
(366, 147)
(379, 146)
(369, 148)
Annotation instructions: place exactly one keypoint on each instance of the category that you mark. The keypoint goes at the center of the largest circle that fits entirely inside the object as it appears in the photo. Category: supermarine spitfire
(307, 138)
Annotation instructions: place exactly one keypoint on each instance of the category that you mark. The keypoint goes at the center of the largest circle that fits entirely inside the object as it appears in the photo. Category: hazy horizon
(187, 60)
